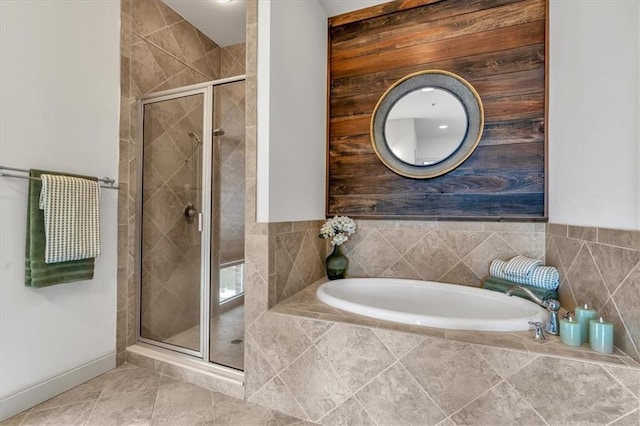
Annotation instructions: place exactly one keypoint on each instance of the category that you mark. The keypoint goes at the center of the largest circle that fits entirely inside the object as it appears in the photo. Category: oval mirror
(427, 124)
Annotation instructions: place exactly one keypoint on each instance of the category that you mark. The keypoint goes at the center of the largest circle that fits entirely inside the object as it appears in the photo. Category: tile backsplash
(451, 252)
(600, 267)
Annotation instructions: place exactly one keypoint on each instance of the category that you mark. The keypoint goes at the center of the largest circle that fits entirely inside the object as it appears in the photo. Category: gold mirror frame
(439, 79)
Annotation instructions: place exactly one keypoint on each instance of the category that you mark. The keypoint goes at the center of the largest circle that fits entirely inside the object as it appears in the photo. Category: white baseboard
(31, 395)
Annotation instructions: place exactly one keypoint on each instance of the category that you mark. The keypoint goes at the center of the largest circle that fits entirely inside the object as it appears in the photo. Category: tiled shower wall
(600, 267)
(159, 50)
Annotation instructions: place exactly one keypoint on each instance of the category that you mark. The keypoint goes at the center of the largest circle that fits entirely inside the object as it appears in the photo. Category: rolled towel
(545, 277)
(498, 284)
(521, 266)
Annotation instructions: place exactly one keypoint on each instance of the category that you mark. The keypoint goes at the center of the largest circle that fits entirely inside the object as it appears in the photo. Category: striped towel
(71, 208)
(521, 266)
(541, 276)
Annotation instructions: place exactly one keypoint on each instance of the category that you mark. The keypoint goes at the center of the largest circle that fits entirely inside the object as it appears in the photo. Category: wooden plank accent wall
(496, 45)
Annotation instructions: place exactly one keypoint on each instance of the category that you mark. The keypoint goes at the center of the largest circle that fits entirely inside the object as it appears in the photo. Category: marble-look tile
(88, 391)
(169, 15)
(461, 274)
(621, 337)
(620, 238)
(257, 367)
(129, 380)
(565, 294)
(280, 339)
(430, 257)
(451, 372)
(401, 269)
(130, 408)
(628, 377)
(502, 405)
(521, 227)
(401, 239)
(182, 403)
(169, 65)
(394, 398)
(586, 282)
(505, 362)
(71, 414)
(582, 233)
(349, 413)
(141, 361)
(631, 419)
(188, 41)
(530, 244)
(397, 342)
(627, 300)
(314, 329)
(276, 396)
(462, 242)
(145, 71)
(480, 258)
(234, 412)
(356, 354)
(556, 229)
(315, 385)
(568, 249)
(573, 392)
(614, 263)
(146, 17)
(375, 254)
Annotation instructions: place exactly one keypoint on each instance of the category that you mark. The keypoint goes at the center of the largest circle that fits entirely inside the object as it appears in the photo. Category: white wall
(594, 138)
(292, 74)
(58, 111)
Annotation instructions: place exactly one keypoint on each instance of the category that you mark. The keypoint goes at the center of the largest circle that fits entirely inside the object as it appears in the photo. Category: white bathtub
(431, 304)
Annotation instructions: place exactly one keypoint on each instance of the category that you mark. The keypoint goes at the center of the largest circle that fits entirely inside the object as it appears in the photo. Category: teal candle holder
(583, 315)
(570, 332)
(601, 336)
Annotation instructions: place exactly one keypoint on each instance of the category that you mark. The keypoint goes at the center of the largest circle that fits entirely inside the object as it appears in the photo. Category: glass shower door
(227, 254)
(173, 202)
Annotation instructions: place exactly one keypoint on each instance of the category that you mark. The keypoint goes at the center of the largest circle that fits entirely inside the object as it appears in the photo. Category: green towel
(498, 284)
(38, 273)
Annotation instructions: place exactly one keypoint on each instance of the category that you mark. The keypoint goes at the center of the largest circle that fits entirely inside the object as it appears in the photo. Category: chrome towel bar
(110, 183)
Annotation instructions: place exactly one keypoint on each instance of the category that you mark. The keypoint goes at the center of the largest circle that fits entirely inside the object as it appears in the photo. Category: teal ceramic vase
(336, 264)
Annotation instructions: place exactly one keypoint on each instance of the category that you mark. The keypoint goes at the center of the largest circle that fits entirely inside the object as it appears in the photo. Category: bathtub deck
(305, 304)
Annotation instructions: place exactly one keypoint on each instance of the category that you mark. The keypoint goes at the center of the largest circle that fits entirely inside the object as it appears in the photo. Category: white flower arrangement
(338, 228)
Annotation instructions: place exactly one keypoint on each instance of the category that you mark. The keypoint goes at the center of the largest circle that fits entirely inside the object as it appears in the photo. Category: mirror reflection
(426, 126)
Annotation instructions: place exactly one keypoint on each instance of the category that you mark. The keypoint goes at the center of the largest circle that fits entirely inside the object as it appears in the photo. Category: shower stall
(190, 220)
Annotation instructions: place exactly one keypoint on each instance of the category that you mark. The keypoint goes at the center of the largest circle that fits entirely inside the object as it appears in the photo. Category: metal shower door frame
(206, 89)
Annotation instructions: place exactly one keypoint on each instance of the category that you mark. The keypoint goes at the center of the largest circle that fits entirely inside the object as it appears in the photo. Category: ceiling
(224, 21)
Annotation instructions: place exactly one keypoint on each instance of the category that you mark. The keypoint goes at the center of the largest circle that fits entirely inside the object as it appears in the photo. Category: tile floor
(129, 395)
(225, 330)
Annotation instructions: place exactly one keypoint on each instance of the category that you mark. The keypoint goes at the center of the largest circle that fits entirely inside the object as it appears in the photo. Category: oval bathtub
(431, 304)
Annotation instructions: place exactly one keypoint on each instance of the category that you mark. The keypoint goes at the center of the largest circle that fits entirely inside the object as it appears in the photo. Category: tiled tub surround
(451, 252)
(317, 363)
(600, 267)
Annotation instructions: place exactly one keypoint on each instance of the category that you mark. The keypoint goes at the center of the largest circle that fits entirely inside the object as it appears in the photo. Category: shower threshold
(210, 376)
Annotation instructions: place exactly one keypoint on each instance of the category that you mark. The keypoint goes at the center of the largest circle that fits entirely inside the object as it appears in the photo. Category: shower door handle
(199, 222)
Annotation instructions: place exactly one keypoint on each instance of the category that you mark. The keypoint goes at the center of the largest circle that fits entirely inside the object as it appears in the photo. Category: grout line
(477, 397)
(617, 380)
(626, 329)
(292, 396)
(415, 381)
(622, 417)
(636, 266)
(527, 402)
(599, 271)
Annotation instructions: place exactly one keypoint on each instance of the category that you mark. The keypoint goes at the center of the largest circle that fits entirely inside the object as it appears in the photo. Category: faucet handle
(538, 334)
(552, 305)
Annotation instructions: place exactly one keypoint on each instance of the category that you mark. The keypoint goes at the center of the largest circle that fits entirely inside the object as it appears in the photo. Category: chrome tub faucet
(552, 305)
